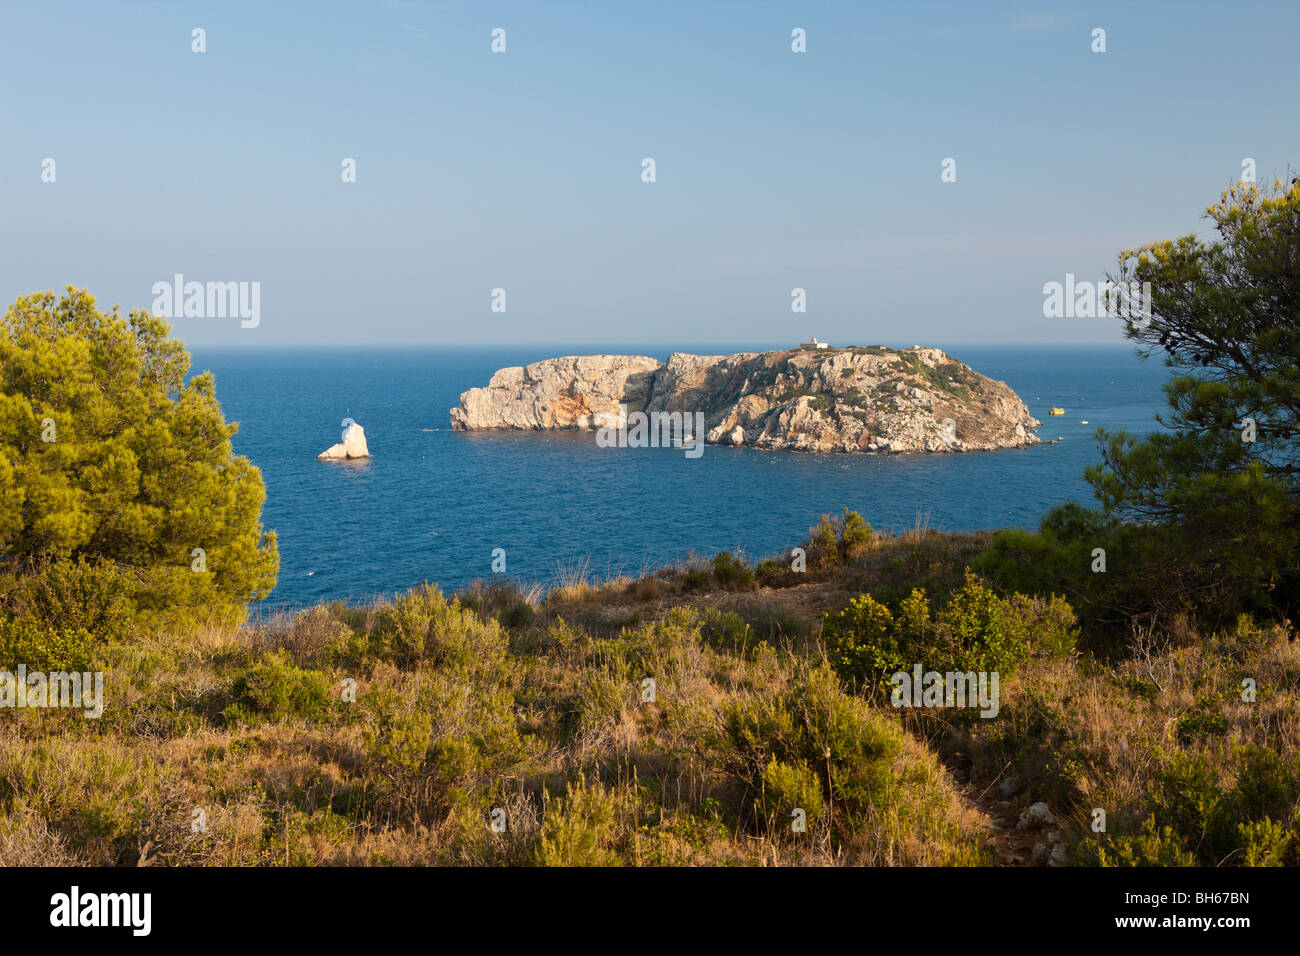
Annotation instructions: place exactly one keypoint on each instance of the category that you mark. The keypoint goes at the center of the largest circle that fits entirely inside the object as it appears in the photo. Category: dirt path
(1012, 847)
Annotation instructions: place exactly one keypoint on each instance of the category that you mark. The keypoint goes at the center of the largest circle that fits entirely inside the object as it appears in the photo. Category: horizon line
(761, 346)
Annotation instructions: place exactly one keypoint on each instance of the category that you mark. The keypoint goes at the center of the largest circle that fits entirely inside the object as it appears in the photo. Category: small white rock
(1038, 815)
(353, 445)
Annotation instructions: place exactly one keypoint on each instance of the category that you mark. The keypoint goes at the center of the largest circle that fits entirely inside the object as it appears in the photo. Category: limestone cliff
(806, 399)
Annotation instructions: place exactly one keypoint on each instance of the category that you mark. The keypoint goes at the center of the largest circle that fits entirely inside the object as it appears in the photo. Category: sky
(523, 170)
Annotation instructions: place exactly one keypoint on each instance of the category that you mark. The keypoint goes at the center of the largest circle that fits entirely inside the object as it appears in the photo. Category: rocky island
(813, 398)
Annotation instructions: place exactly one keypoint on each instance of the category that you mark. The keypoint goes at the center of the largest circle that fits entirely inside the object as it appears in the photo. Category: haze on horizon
(522, 170)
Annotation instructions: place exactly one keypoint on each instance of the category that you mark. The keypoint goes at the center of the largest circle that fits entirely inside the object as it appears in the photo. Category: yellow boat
(1057, 411)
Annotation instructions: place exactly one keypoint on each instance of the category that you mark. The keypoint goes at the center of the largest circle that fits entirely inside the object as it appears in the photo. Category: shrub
(731, 572)
(317, 633)
(724, 630)
(857, 746)
(92, 596)
(44, 648)
(579, 829)
(1198, 725)
(837, 540)
(395, 735)
(822, 545)
(646, 589)
(855, 535)
(774, 624)
(812, 725)
(1254, 818)
(1151, 572)
(276, 689)
(863, 642)
(976, 631)
(1152, 847)
(769, 573)
(694, 579)
(1047, 626)
(787, 788)
(516, 615)
(1270, 843)
(986, 633)
(422, 625)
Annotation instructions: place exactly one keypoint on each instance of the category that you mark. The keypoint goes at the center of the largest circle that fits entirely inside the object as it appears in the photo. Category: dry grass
(539, 706)
(438, 738)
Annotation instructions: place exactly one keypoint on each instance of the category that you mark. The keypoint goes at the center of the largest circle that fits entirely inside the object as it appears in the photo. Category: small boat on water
(1057, 411)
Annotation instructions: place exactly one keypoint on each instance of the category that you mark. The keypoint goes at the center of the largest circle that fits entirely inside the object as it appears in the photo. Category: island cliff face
(807, 399)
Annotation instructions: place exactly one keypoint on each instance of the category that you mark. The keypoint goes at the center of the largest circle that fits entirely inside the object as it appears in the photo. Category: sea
(441, 506)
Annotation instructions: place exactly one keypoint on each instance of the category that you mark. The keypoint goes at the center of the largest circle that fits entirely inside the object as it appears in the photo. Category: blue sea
(432, 504)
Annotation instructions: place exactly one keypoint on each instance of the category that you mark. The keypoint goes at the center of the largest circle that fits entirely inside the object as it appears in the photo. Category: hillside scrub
(454, 717)
(552, 725)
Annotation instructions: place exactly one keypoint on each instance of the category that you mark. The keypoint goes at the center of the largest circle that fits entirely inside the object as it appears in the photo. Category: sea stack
(353, 444)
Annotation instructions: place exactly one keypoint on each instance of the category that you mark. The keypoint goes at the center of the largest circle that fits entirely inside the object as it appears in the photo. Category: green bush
(724, 630)
(818, 731)
(1202, 724)
(44, 648)
(769, 573)
(837, 540)
(579, 829)
(1047, 626)
(694, 579)
(395, 735)
(855, 535)
(731, 571)
(423, 626)
(1152, 572)
(976, 631)
(1152, 847)
(822, 546)
(276, 689)
(775, 625)
(92, 596)
(864, 643)
(517, 614)
(787, 788)
(1237, 808)
(986, 633)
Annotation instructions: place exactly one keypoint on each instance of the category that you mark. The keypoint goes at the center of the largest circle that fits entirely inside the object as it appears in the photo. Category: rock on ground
(1037, 815)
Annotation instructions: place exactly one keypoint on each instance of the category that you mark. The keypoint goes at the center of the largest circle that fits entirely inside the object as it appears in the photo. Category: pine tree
(107, 453)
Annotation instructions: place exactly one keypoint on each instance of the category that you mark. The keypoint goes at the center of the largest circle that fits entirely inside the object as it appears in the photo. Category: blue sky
(522, 170)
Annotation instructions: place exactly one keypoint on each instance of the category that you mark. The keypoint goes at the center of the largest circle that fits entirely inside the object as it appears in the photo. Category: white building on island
(814, 344)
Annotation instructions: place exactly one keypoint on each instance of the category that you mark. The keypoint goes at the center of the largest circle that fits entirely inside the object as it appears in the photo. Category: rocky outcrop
(852, 399)
(557, 393)
(353, 444)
